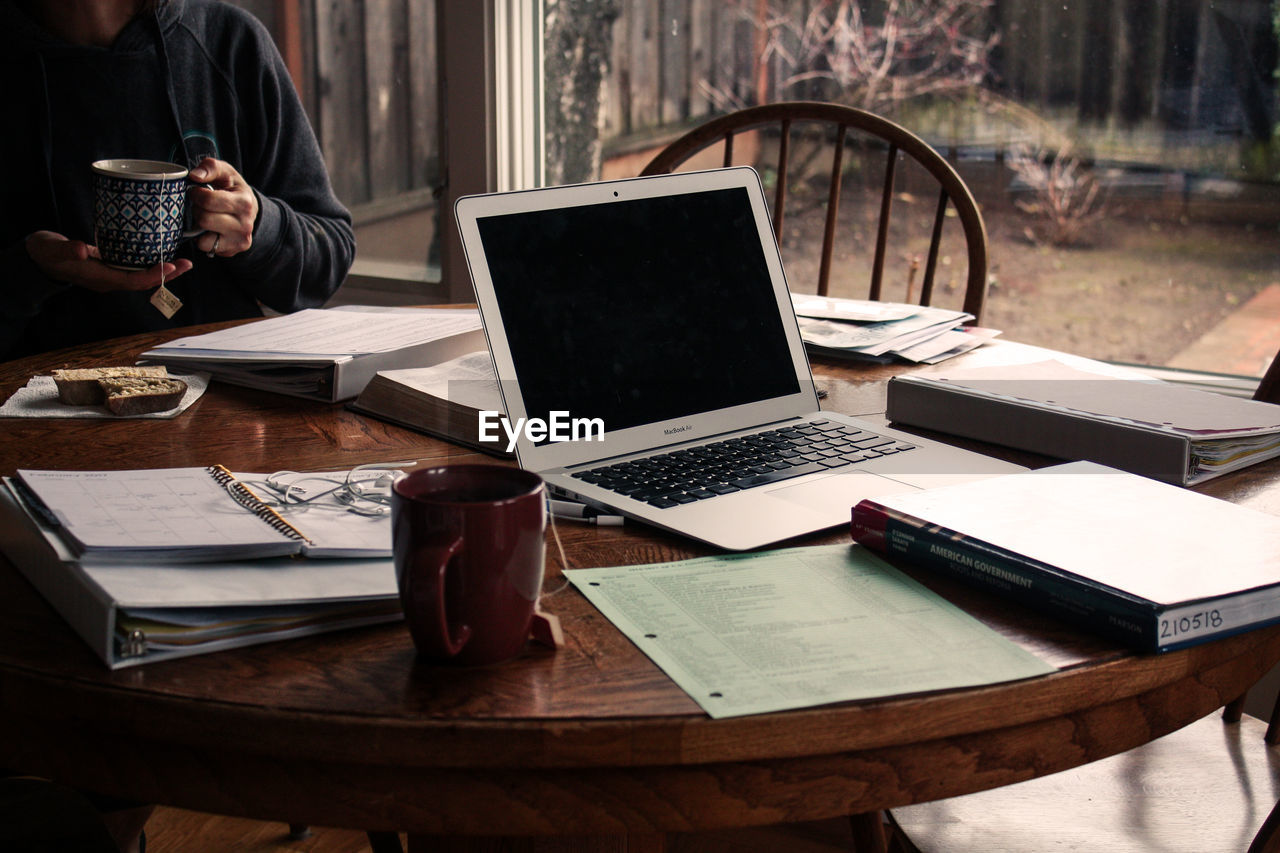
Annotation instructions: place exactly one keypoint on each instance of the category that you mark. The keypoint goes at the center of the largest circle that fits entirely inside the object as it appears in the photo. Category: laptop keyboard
(721, 467)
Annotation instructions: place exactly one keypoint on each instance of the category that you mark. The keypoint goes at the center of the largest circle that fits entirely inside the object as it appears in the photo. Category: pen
(34, 504)
(582, 512)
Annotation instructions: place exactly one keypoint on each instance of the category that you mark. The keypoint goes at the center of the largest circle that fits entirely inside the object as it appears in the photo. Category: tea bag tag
(166, 303)
(545, 630)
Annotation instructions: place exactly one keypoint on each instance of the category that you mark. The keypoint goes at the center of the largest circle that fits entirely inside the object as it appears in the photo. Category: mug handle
(188, 233)
(427, 596)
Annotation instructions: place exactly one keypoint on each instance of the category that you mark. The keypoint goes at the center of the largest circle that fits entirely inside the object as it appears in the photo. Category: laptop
(643, 334)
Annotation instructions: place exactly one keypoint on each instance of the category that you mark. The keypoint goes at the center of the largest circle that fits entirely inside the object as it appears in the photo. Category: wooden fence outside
(366, 70)
(1182, 64)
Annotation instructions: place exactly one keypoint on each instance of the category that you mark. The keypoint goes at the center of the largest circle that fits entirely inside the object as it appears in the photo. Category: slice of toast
(142, 395)
(81, 386)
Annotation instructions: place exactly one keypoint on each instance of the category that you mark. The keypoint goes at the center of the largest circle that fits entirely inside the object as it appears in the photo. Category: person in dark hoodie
(195, 82)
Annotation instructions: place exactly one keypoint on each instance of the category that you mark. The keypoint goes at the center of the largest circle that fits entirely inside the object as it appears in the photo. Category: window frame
(492, 142)
(490, 138)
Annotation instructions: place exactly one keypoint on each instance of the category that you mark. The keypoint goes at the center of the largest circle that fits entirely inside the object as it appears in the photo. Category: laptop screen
(639, 311)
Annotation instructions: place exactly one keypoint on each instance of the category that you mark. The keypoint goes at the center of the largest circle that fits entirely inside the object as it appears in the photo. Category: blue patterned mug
(139, 211)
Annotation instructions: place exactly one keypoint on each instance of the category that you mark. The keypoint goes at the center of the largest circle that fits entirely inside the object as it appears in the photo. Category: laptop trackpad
(839, 492)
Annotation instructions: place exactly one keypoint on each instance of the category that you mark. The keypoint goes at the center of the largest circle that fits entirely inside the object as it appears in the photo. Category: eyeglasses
(364, 490)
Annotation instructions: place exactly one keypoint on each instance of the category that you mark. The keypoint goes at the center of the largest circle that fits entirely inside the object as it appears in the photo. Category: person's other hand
(225, 208)
(76, 262)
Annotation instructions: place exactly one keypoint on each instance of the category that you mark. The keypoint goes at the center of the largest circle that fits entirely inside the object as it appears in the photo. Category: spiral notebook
(193, 515)
(146, 610)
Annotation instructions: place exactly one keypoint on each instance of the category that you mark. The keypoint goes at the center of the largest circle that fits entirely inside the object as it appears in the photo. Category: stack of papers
(325, 354)
(883, 331)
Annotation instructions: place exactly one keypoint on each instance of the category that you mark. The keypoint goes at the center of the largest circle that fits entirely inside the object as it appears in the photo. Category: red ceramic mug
(469, 552)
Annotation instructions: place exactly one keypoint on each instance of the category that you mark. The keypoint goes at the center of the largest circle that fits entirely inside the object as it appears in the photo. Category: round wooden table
(593, 740)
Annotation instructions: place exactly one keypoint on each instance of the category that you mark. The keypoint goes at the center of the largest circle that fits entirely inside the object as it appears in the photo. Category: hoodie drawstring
(46, 141)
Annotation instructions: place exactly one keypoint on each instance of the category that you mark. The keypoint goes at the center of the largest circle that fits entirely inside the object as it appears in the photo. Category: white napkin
(39, 399)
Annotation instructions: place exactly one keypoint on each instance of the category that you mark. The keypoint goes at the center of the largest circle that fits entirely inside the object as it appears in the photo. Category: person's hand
(225, 208)
(76, 262)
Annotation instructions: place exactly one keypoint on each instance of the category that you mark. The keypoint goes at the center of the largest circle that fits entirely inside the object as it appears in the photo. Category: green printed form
(794, 628)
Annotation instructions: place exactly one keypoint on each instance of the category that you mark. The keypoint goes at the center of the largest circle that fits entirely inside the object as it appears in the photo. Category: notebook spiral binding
(242, 495)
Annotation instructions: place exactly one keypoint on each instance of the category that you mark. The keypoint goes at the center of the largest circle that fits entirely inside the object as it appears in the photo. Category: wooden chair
(820, 126)
(1269, 388)
(1206, 787)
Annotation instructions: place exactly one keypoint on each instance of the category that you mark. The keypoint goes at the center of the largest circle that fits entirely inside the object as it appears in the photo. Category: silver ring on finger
(217, 238)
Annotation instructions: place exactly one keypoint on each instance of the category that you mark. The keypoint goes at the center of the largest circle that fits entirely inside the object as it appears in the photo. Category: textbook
(137, 613)
(1170, 432)
(325, 354)
(1144, 562)
(187, 515)
(444, 400)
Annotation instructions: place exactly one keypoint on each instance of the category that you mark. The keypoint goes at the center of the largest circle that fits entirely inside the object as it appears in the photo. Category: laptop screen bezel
(621, 442)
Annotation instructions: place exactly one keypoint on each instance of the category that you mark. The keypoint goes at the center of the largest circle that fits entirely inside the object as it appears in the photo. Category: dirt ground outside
(1145, 281)
(1143, 293)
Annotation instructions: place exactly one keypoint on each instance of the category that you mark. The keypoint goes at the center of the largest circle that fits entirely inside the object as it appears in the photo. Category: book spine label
(894, 533)
(1194, 623)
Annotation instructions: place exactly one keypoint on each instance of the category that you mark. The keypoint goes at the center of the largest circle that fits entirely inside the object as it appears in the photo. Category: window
(367, 75)
(1125, 153)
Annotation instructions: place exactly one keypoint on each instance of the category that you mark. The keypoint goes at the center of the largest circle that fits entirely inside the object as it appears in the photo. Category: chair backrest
(1269, 388)
(837, 121)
